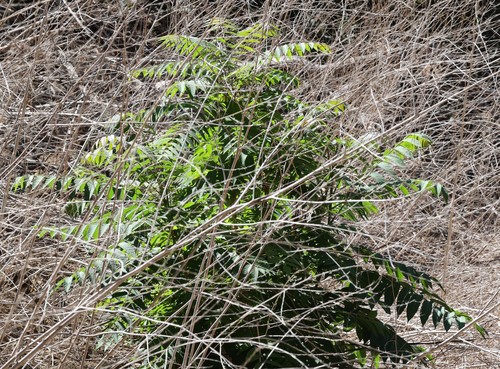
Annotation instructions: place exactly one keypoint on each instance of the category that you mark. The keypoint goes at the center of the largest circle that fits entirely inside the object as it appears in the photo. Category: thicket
(230, 201)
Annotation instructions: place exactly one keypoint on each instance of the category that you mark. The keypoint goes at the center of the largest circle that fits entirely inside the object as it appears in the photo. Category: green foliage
(248, 194)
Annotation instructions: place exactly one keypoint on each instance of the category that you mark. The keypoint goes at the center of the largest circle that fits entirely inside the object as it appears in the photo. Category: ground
(430, 66)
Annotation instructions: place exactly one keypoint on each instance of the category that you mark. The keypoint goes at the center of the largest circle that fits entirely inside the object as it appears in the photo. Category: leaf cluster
(272, 283)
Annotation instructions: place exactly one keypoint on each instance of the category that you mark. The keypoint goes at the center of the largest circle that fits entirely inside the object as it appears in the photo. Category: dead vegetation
(430, 66)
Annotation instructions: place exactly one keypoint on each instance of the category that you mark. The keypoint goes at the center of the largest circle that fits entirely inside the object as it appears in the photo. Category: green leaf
(399, 275)
(481, 330)
(360, 356)
(402, 301)
(437, 315)
(449, 320)
(413, 306)
(404, 190)
(405, 153)
(19, 183)
(391, 293)
(50, 181)
(191, 46)
(37, 180)
(379, 178)
(258, 31)
(370, 207)
(425, 311)
(387, 168)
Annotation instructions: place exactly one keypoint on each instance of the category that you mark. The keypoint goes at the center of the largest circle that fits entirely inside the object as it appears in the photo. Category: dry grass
(402, 66)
